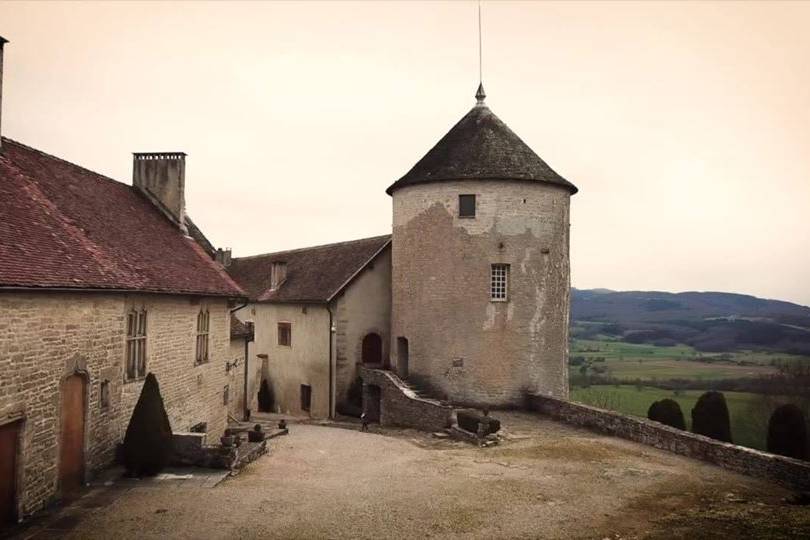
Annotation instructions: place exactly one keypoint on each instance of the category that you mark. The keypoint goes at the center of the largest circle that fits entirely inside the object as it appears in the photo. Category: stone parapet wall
(789, 472)
(400, 406)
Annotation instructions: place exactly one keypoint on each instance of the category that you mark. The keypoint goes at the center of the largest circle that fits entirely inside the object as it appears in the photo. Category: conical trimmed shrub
(266, 397)
(710, 417)
(148, 442)
(667, 411)
(787, 432)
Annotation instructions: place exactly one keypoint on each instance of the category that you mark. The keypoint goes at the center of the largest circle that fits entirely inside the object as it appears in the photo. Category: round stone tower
(480, 268)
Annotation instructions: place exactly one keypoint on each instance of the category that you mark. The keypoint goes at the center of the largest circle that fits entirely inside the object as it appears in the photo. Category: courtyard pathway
(546, 480)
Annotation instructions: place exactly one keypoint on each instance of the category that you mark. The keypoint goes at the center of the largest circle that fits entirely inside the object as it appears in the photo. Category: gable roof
(65, 227)
(481, 147)
(314, 274)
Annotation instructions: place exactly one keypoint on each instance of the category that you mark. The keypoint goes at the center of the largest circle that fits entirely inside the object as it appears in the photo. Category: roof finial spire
(480, 95)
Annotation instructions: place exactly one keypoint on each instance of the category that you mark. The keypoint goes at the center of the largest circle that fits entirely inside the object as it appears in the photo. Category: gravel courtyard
(546, 480)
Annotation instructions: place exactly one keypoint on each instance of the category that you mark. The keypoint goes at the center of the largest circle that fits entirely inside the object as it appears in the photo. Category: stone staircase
(424, 393)
(419, 392)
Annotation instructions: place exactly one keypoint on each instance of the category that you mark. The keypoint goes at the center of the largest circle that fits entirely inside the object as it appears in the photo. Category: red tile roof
(63, 226)
(314, 274)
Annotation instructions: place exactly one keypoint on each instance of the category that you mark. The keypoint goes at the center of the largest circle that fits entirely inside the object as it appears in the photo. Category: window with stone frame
(285, 334)
(136, 345)
(499, 283)
(466, 206)
(203, 320)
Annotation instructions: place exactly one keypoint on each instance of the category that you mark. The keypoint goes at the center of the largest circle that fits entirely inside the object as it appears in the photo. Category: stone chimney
(2, 42)
(161, 176)
(223, 257)
(278, 273)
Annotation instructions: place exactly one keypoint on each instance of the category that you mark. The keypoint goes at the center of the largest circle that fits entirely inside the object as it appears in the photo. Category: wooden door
(9, 437)
(71, 443)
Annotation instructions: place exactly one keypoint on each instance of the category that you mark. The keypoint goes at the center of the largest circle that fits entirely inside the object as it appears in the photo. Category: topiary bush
(710, 417)
(266, 398)
(147, 445)
(667, 411)
(787, 432)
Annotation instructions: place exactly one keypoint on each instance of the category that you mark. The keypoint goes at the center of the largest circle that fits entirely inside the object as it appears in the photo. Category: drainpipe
(248, 339)
(329, 336)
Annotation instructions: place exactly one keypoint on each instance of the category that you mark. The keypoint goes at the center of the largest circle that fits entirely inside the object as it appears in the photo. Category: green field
(630, 361)
(749, 412)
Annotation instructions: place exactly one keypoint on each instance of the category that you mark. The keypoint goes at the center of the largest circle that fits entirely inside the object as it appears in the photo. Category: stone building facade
(328, 313)
(480, 268)
(100, 283)
(47, 337)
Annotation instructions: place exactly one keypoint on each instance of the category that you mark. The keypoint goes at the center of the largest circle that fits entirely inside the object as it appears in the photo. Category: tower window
(466, 206)
(499, 282)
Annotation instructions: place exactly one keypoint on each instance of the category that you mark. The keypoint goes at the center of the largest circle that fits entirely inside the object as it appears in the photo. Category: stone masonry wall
(463, 346)
(790, 472)
(46, 337)
(399, 406)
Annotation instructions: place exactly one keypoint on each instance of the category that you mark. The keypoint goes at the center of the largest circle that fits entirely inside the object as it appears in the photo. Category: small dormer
(278, 273)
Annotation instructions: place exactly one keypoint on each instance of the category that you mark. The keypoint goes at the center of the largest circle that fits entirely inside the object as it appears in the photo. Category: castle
(467, 301)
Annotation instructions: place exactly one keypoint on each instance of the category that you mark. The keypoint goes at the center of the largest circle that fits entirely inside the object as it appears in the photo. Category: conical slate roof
(481, 147)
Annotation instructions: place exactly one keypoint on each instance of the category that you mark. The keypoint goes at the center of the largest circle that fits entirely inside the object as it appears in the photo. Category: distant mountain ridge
(707, 320)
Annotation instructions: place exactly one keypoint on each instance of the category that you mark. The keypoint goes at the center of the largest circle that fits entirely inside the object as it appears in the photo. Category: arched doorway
(372, 349)
(402, 357)
(71, 439)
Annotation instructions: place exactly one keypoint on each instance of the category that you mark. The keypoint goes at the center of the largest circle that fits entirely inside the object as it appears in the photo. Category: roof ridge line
(310, 247)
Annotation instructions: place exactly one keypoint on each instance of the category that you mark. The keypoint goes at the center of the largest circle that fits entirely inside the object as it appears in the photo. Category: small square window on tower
(466, 206)
(499, 283)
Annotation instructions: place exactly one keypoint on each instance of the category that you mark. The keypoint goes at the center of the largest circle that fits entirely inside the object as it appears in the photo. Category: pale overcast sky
(686, 126)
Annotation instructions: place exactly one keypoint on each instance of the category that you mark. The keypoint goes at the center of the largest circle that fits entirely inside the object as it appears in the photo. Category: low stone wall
(400, 406)
(789, 472)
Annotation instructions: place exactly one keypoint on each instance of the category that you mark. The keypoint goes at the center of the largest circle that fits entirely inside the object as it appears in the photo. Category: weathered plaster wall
(363, 308)
(305, 362)
(45, 337)
(463, 346)
(236, 379)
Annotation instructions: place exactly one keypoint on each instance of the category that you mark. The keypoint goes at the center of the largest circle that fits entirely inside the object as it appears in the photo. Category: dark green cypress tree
(667, 411)
(787, 432)
(710, 417)
(148, 442)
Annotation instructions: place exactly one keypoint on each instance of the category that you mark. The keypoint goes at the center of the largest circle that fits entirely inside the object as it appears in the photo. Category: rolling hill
(708, 321)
